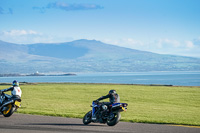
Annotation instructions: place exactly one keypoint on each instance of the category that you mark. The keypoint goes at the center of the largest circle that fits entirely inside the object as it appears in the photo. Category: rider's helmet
(112, 92)
(15, 83)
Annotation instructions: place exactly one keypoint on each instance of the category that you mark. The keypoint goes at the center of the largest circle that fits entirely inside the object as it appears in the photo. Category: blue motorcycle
(102, 113)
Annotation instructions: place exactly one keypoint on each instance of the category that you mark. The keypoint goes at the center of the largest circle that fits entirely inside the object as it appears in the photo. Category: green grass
(147, 104)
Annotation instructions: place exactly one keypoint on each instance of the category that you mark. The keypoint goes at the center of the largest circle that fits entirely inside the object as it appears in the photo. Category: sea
(146, 78)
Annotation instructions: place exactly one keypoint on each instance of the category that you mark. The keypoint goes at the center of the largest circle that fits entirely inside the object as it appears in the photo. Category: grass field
(147, 104)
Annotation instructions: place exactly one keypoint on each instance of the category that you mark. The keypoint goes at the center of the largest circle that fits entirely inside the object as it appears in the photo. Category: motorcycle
(10, 104)
(102, 113)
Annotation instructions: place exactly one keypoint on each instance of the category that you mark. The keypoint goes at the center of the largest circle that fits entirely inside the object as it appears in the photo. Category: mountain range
(87, 56)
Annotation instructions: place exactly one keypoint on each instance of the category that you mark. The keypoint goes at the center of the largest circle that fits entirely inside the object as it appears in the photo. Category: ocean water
(161, 78)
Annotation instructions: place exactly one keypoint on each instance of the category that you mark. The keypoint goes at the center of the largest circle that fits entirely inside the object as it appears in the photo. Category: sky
(160, 26)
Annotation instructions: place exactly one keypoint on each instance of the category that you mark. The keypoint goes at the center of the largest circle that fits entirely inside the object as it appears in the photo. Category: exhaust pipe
(6, 104)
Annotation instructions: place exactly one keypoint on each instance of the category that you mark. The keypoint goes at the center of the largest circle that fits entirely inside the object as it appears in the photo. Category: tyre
(9, 111)
(87, 118)
(114, 120)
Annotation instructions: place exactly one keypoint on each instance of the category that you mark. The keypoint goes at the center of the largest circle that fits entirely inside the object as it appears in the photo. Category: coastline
(36, 74)
(133, 78)
(78, 83)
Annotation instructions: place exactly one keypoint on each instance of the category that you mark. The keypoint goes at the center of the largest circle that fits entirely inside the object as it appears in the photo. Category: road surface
(21, 123)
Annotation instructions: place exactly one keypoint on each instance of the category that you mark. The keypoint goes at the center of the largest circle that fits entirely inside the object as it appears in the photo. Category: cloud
(30, 37)
(189, 44)
(162, 43)
(68, 7)
(175, 47)
(40, 9)
(8, 11)
(161, 46)
(19, 32)
(20, 36)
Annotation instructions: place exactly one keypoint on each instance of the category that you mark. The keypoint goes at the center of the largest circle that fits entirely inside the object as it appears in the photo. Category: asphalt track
(21, 123)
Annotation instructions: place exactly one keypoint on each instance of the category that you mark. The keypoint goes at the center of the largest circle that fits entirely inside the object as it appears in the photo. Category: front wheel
(114, 119)
(87, 118)
(9, 111)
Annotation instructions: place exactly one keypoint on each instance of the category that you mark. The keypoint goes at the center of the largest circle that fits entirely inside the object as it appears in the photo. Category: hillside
(87, 56)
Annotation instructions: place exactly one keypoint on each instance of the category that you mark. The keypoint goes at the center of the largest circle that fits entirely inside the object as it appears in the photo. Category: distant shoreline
(147, 78)
(35, 83)
(36, 74)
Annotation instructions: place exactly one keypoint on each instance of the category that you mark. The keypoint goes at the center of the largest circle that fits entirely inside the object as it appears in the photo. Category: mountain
(87, 56)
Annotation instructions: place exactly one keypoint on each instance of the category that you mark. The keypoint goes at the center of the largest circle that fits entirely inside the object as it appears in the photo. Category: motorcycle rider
(15, 91)
(112, 95)
(113, 98)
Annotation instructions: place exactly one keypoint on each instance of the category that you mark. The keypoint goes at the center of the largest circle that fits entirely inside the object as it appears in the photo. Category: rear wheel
(9, 111)
(87, 118)
(114, 120)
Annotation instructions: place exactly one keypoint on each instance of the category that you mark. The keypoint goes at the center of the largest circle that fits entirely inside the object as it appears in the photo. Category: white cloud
(161, 46)
(19, 32)
(175, 47)
(30, 37)
(21, 36)
(162, 43)
(189, 44)
(68, 7)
